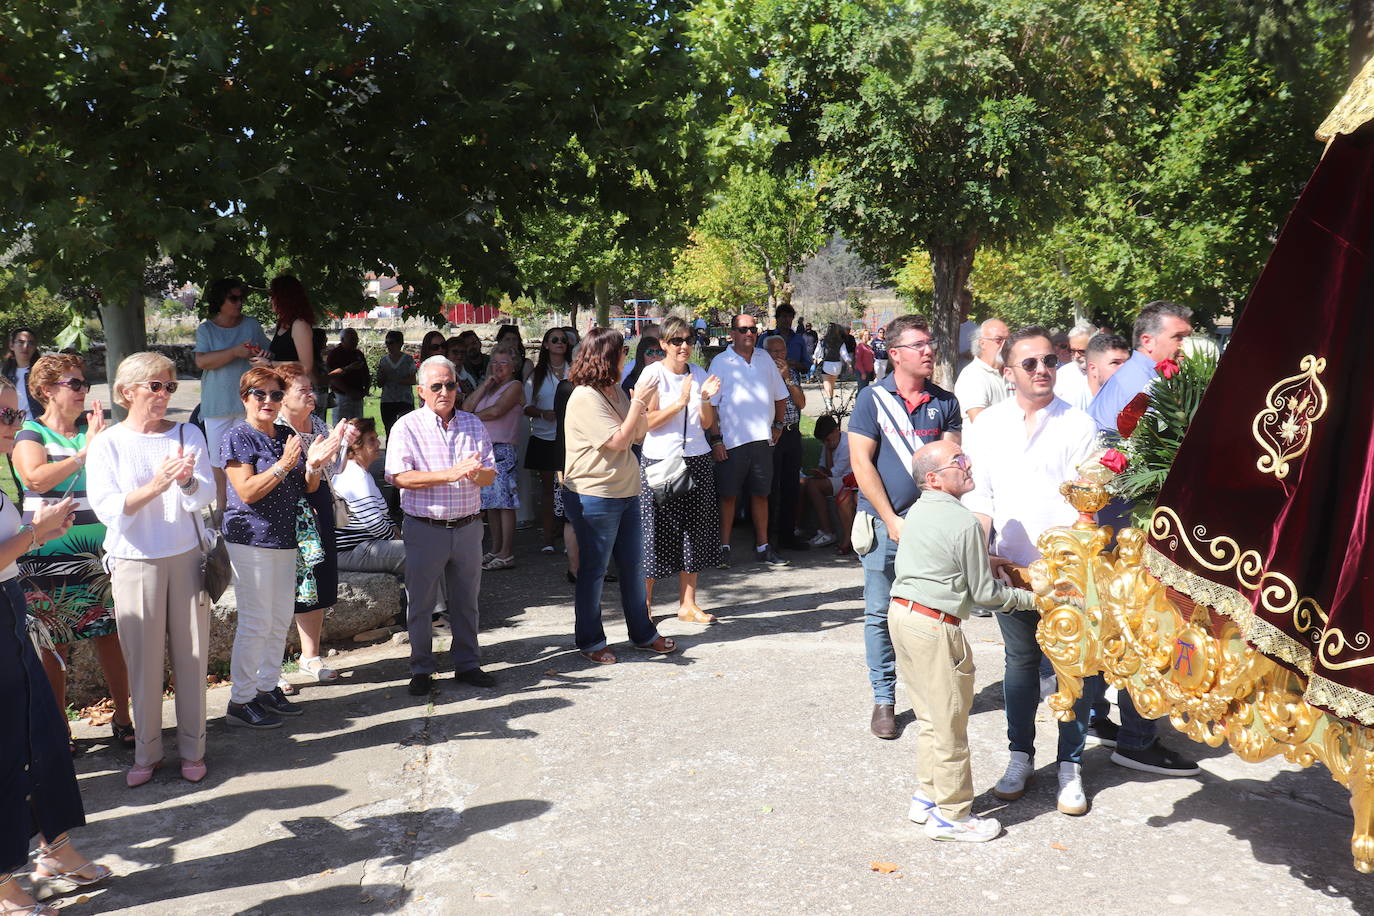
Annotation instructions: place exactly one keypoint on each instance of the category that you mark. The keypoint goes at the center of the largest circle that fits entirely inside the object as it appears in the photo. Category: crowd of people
(646, 462)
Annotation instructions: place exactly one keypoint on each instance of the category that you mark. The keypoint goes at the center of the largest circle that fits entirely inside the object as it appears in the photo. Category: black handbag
(215, 570)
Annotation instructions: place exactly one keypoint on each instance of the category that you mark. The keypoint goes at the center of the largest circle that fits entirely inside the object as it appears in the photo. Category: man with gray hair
(980, 384)
(1072, 383)
(440, 458)
(1160, 329)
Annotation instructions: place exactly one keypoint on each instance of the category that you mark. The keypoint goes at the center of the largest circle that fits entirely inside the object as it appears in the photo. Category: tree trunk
(572, 316)
(601, 289)
(126, 332)
(950, 265)
(1361, 34)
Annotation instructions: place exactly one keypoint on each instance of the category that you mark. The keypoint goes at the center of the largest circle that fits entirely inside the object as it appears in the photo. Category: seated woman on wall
(370, 542)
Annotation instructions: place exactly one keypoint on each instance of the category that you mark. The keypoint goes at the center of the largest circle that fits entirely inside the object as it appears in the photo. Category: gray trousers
(451, 557)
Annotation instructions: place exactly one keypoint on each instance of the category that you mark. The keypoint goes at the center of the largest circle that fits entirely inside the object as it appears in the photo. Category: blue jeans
(1021, 690)
(1136, 731)
(878, 575)
(608, 528)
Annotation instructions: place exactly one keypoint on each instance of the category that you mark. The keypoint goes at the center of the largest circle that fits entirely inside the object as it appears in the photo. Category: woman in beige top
(601, 494)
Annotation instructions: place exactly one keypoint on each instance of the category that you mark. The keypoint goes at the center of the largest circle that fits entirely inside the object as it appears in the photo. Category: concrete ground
(737, 776)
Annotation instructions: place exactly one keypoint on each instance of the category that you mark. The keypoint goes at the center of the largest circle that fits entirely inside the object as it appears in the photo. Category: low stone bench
(366, 601)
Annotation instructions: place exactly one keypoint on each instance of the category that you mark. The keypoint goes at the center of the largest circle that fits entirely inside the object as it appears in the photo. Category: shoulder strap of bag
(898, 430)
(195, 516)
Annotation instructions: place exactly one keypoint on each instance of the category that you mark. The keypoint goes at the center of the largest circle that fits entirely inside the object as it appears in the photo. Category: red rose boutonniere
(1167, 367)
(1113, 461)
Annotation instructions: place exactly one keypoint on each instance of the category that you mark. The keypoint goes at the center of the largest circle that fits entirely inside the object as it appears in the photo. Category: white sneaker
(1072, 799)
(822, 539)
(920, 809)
(1013, 783)
(969, 830)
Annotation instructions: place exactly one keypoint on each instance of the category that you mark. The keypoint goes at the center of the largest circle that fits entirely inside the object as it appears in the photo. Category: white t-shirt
(665, 441)
(21, 386)
(367, 507)
(9, 527)
(839, 464)
(1017, 477)
(748, 391)
(121, 461)
(978, 387)
(543, 400)
(1071, 385)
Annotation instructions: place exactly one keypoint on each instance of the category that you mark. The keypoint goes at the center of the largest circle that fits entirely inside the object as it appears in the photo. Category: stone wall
(366, 601)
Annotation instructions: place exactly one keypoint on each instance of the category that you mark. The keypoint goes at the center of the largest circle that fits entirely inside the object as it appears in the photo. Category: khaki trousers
(160, 603)
(936, 663)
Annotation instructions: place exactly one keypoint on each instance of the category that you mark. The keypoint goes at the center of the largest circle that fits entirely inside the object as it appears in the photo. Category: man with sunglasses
(225, 343)
(891, 420)
(440, 458)
(752, 408)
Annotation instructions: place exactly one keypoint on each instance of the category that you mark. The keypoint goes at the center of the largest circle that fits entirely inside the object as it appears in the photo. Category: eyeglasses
(918, 345)
(655, 352)
(10, 416)
(746, 329)
(678, 341)
(156, 386)
(1049, 359)
(306, 393)
(437, 387)
(958, 461)
(75, 384)
(263, 395)
(1078, 353)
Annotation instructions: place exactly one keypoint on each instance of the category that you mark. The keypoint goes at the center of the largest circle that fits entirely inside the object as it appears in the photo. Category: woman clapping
(148, 476)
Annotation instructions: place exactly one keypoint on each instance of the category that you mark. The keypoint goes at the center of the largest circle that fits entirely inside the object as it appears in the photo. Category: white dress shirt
(748, 390)
(1071, 385)
(1017, 477)
(978, 387)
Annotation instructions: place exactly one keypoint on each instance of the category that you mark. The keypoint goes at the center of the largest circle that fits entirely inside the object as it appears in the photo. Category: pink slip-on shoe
(137, 776)
(193, 770)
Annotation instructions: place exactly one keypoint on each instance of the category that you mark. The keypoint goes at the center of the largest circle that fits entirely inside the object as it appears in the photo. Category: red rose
(1114, 461)
(1130, 414)
(1167, 367)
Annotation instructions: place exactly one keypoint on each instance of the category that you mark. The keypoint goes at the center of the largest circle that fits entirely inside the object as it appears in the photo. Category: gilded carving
(1104, 612)
(1283, 428)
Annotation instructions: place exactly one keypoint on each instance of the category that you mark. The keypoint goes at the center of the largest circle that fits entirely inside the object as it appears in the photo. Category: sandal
(48, 870)
(123, 734)
(16, 908)
(695, 615)
(600, 656)
(316, 666)
(499, 563)
(286, 686)
(664, 645)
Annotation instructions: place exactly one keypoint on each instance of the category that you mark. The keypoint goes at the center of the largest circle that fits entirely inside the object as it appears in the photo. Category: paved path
(737, 777)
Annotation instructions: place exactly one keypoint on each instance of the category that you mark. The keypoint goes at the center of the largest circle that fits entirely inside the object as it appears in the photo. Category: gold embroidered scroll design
(1284, 427)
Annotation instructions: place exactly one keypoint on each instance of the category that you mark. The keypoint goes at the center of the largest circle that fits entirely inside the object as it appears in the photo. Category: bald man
(980, 384)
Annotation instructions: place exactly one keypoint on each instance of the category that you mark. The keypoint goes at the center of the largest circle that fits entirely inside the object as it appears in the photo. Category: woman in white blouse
(147, 478)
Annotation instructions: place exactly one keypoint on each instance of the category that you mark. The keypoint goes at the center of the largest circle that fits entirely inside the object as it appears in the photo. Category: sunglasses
(653, 352)
(10, 416)
(554, 340)
(262, 395)
(156, 386)
(958, 461)
(75, 384)
(746, 329)
(437, 387)
(678, 341)
(1050, 360)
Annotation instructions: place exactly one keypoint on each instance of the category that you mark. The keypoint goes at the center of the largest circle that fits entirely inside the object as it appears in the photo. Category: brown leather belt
(929, 612)
(446, 522)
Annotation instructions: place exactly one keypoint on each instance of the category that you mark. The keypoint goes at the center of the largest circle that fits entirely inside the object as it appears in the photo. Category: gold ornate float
(1103, 612)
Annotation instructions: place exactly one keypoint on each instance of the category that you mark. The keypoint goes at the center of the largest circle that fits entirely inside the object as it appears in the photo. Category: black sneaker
(420, 685)
(251, 715)
(1102, 732)
(275, 701)
(475, 677)
(724, 557)
(1154, 759)
(770, 556)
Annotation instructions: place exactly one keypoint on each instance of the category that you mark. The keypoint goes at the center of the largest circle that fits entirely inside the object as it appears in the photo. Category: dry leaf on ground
(884, 868)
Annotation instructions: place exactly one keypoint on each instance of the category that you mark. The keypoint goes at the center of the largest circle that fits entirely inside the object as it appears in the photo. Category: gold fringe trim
(1346, 702)
(1354, 109)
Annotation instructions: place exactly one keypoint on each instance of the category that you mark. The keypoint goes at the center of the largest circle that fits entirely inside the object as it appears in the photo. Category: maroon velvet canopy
(1266, 514)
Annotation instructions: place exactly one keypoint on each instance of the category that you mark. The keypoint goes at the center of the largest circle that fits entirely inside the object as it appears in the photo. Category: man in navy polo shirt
(891, 420)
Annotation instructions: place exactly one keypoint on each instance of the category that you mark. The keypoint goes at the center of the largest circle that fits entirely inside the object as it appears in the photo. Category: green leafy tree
(712, 275)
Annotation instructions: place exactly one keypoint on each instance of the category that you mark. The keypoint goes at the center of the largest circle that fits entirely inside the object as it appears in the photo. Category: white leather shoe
(1013, 783)
(1072, 799)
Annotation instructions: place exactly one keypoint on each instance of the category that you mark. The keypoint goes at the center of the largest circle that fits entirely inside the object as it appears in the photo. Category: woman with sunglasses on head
(541, 452)
(270, 474)
(298, 415)
(23, 351)
(69, 590)
(39, 793)
(148, 479)
(681, 536)
(498, 403)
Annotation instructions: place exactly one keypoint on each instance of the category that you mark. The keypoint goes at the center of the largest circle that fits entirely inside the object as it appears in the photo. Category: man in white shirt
(751, 406)
(980, 384)
(1072, 383)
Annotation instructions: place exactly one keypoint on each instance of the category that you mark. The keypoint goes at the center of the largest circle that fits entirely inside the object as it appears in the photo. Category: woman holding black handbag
(677, 503)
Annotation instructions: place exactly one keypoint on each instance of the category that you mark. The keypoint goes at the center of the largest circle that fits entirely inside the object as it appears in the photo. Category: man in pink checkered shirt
(440, 458)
